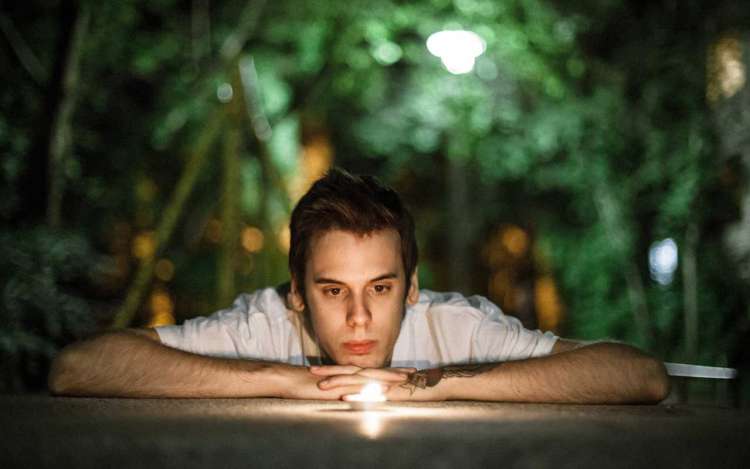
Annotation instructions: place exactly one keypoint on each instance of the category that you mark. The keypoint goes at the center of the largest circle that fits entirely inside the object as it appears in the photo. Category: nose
(358, 315)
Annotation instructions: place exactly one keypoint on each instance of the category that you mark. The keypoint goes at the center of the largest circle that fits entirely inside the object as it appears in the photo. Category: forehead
(340, 254)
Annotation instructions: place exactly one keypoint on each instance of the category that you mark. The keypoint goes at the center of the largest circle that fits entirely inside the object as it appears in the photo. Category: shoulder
(459, 311)
(241, 330)
(451, 312)
(441, 328)
(477, 323)
(261, 306)
(264, 303)
(456, 304)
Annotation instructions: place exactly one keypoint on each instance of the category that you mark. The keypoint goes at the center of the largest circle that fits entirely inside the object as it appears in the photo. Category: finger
(400, 392)
(384, 374)
(331, 370)
(342, 380)
(335, 394)
(348, 380)
(407, 370)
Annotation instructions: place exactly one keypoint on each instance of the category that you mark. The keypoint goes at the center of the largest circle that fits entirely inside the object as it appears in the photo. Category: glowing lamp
(662, 260)
(370, 397)
(457, 49)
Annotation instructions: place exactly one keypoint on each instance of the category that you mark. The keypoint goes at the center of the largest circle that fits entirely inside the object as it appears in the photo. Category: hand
(340, 377)
(421, 385)
(399, 384)
(297, 382)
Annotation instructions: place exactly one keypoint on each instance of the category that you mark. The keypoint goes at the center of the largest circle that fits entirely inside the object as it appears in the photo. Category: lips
(358, 347)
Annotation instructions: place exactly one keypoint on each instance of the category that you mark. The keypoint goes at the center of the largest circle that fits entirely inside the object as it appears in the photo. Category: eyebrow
(389, 275)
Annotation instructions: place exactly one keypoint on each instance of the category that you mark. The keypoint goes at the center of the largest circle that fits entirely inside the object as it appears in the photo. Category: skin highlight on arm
(600, 373)
(134, 363)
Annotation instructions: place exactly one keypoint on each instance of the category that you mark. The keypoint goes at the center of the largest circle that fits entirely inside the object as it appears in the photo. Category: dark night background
(151, 152)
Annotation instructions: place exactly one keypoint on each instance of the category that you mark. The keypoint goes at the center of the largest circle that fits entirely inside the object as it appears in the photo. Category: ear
(413, 295)
(294, 298)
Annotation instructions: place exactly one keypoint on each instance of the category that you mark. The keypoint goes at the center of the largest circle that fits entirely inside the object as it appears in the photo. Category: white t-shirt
(440, 329)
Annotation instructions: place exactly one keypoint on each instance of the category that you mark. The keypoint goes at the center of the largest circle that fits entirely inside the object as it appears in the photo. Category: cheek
(326, 316)
(390, 313)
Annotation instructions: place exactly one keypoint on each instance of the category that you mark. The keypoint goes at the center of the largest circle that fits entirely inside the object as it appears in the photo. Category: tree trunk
(458, 227)
(260, 128)
(690, 292)
(229, 216)
(230, 197)
(42, 168)
(61, 130)
(26, 57)
(611, 214)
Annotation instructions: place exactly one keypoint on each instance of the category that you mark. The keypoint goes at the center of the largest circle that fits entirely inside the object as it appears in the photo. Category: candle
(370, 397)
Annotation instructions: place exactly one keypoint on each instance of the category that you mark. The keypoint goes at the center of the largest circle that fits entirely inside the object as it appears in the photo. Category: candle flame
(373, 392)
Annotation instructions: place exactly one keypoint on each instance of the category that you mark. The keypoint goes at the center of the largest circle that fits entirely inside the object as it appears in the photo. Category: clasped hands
(397, 383)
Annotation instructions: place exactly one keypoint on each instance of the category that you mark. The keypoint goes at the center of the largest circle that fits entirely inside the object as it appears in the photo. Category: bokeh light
(252, 239)
(224, 92)
(726, 70)
(662, 261)
(144, 245)
(164, 270)
(161, 308)
(458, 50)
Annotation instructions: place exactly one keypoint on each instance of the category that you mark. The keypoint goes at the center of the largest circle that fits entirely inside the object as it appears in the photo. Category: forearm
(124, 364)
(598, 373)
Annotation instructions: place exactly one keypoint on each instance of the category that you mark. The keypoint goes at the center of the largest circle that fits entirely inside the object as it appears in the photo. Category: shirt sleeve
(500, 338)
(223, 334)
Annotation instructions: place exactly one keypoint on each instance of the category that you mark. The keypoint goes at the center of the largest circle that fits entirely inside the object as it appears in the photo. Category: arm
(593, 374)
(134, 363)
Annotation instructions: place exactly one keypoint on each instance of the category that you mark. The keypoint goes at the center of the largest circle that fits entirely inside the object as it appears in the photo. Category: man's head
(353, 260)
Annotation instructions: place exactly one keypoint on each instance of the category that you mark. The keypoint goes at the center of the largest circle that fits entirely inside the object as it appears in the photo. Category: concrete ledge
(41, 431)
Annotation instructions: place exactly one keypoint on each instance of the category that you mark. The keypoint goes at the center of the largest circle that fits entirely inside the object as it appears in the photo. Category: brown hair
(357, 204)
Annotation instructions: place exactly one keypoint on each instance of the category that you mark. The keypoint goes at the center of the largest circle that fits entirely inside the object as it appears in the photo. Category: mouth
(360, 347)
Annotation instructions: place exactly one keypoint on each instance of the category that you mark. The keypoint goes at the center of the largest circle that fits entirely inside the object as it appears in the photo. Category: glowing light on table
(372, 393)
(367, 399)
(372, 424)
(457, 50)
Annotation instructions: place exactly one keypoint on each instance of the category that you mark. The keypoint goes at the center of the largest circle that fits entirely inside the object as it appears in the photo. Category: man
(353, 314)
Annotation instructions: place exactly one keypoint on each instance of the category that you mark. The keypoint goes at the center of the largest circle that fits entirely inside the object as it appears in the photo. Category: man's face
(355, 288)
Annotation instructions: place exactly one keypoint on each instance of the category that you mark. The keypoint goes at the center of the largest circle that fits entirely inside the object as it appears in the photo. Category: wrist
(444, 388)
(428, 384)
(477, 381)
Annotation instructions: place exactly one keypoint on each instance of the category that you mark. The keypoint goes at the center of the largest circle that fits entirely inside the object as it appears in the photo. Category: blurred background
(584, 164)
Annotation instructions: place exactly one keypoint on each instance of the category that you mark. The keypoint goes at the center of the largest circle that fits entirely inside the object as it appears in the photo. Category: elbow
(61, 375)
(658, 384)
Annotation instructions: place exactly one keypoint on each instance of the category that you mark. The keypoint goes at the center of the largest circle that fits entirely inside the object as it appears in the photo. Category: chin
(364, 361)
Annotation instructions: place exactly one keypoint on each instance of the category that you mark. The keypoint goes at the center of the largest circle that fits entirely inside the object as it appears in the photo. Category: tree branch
(169, 218)
(61, 132)
(23, 52)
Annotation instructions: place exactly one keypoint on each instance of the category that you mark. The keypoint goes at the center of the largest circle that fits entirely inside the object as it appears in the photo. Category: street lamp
(457, 49)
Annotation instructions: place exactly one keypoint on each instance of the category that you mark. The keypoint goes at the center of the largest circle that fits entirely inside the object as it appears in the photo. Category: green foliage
(41, 310)
(585, 121)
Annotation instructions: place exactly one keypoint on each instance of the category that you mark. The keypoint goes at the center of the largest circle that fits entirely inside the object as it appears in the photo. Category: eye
(381, 288)
(333, 291)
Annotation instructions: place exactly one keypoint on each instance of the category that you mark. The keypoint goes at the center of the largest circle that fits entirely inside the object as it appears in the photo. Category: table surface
(43, 431)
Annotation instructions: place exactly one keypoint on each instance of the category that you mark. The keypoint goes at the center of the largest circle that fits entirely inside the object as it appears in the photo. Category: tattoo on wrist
(424, 379)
